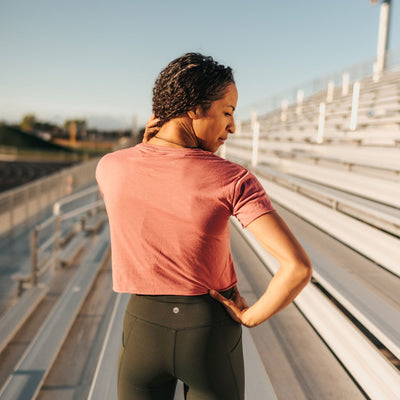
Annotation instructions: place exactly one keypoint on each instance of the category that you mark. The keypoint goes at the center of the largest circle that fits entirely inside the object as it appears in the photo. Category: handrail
(46, 223)
(85, 192)
(46, 244)
(23, 204)
(52, 245)
(81, 210)
(351, 74)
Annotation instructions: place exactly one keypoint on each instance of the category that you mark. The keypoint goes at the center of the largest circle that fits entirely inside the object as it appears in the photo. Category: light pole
(383, 36)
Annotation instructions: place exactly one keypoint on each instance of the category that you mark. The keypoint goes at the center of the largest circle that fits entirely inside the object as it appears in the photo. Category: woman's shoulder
(112, 162)
(226, 166)
(117, 155)
(212, 167)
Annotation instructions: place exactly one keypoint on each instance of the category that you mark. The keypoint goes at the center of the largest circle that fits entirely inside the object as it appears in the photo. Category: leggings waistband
(179, 312)
(185, 299)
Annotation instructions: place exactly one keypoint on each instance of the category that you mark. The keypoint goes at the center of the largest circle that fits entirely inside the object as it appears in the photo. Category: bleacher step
(20, 312)
(72, 250)
(32, 369)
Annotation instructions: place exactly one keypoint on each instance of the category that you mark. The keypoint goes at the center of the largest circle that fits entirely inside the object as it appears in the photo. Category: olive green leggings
(191, 338)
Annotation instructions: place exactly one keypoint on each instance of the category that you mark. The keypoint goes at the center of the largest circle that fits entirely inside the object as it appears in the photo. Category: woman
(169, 200)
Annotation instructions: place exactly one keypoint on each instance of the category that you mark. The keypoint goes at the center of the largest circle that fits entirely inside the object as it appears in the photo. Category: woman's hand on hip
(236, 305)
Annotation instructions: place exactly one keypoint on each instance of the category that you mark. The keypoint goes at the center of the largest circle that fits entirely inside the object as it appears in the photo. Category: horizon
(99, 61)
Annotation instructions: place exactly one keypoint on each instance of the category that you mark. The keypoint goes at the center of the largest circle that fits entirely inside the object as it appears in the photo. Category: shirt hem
(171, 293)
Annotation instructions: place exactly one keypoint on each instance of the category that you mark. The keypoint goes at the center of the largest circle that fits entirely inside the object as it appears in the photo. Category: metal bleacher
(32, 369)
(378, 111)
(77, 226)
(347, 184)
(340, 196)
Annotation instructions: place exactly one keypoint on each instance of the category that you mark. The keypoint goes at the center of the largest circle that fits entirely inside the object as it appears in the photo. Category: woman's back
(169, 210)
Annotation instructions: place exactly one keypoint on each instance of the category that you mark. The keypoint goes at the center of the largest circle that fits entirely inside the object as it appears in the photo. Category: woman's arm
(293, 274)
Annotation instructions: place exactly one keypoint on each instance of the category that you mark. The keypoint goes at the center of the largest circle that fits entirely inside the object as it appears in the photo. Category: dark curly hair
(187, 82)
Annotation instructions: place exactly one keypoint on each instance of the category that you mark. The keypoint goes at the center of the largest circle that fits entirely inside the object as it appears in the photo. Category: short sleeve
(250, 200)
(99, 175)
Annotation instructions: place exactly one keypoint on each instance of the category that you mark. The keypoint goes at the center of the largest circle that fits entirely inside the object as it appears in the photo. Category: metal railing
(21, 153)
(48, 238)
(23, 205)
(290, 96)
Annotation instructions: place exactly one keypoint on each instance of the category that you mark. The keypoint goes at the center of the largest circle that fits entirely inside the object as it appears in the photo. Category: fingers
(229, 304)
(151, 128)
(218, 296)
(238, 299)
(152, 122)
(149, 133)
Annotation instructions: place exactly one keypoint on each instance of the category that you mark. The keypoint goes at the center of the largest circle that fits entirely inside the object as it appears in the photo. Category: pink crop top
(169, 211)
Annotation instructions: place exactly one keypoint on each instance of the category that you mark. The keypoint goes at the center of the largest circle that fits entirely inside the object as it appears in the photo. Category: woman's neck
(177, 132)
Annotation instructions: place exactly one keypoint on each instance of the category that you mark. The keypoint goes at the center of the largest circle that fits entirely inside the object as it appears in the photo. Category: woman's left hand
(236, 305)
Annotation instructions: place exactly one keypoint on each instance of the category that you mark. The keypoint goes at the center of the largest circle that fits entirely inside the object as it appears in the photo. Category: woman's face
(213, 126)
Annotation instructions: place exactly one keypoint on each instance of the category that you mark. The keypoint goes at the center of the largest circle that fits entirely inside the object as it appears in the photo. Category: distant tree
(28, 123)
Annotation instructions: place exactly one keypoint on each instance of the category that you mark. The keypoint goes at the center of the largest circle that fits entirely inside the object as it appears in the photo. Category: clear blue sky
(99, 58)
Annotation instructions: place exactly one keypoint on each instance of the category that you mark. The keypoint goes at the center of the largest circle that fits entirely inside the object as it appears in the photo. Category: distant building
(76, 130)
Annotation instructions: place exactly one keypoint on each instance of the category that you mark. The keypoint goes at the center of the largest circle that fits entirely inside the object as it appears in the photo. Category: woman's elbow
(304, 271)
(300, 271)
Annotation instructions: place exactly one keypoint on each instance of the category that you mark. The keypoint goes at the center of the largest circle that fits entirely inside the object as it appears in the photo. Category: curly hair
(187, 82)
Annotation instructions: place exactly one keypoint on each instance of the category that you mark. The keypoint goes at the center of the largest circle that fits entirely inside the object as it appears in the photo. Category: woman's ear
(196, 113)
